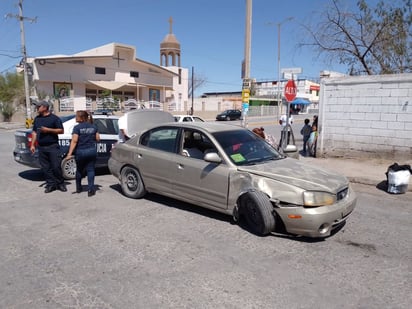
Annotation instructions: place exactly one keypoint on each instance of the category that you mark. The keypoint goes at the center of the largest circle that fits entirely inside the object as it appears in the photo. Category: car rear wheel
(256, 209)
(68, 166)
(132, 183)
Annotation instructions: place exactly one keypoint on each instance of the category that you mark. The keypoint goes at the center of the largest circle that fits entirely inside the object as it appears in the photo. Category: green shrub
(7, 110)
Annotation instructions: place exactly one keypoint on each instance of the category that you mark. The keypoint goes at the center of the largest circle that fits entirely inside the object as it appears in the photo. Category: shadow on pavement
(170, 202)
(383, 185)
(37, 174)
(33, 175)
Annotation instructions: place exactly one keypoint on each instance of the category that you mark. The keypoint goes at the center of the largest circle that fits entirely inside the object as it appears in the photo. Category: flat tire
(257, 210)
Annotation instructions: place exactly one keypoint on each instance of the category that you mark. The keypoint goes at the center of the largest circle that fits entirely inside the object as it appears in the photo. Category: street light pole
(246, 74)
(193, 80)
(21, 18)
(279, 94)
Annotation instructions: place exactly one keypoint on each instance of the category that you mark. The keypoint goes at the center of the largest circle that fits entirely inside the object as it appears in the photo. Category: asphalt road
(61, 250)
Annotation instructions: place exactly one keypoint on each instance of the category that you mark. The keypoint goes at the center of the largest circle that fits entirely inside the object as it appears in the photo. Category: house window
(98, 70)
(134, 74)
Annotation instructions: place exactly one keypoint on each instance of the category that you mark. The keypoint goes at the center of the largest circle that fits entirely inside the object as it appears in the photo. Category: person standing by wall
(305, 131)
(312, 141)
(46, 128)
(315, 128)
(84, 144)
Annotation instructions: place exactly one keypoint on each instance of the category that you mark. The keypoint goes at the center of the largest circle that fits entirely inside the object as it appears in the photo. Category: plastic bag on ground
(398, 178)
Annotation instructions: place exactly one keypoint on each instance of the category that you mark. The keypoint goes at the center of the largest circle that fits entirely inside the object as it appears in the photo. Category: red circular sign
(290, 90)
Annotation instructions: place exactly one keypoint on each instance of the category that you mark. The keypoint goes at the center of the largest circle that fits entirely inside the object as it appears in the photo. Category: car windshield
(243, 147)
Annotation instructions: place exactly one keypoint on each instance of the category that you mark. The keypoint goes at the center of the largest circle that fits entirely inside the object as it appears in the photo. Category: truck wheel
(68, 168)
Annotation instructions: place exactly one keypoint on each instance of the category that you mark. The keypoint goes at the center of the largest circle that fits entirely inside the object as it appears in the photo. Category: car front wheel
(132, 183)
(256, 209)
(68, 166)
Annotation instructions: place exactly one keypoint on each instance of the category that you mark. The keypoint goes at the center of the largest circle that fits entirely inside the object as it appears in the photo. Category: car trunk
(141, 119)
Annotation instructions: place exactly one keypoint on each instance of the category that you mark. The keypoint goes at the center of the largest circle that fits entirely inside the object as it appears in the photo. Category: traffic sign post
(245, 105)
(290, 90)
(246, 84)
(290, 95)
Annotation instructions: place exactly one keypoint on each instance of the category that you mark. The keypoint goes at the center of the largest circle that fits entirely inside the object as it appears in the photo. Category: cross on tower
(171, 24)
(118, 59)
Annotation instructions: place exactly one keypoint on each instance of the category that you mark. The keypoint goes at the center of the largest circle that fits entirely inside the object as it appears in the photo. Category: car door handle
(180, 166)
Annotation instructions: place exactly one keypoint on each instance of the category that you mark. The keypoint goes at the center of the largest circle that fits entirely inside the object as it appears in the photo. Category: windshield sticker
(237, 157)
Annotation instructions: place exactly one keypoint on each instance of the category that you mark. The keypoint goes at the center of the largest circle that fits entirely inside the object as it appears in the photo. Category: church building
(110, 76)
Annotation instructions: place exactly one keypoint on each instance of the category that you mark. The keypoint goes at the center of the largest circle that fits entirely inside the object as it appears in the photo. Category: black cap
(42, 103)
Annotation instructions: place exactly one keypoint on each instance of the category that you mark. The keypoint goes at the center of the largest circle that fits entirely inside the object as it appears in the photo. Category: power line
(1, 54)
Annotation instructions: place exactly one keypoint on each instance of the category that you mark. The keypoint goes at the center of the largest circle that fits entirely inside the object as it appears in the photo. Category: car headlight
(318, 198)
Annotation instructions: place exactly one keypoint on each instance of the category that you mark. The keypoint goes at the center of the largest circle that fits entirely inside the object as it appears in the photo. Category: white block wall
(366, 115)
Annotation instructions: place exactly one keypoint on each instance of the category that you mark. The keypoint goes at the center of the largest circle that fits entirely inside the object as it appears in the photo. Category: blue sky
(211, 33)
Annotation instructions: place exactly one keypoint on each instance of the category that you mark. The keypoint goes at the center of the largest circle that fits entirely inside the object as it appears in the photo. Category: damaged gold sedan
(229, 169)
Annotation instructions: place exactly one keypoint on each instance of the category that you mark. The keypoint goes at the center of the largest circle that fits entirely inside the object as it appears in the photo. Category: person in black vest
(46, 128)
(84, 145)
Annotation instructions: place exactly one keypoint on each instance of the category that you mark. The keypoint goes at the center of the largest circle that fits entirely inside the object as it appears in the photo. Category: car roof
(191, 116)
(69, 121)
(100, 116)
(65, 118)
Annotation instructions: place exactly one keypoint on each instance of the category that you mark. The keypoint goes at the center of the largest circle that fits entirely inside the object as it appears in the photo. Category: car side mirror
(290, 148)
(212, 157)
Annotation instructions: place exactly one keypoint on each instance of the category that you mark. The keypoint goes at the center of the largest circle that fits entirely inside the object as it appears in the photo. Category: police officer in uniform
(46, 128)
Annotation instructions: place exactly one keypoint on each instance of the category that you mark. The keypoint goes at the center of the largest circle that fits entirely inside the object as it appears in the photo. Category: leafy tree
(369, 41)
(11, 94)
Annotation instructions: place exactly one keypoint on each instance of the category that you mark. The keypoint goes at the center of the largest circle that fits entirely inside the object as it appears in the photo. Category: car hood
(299, 174)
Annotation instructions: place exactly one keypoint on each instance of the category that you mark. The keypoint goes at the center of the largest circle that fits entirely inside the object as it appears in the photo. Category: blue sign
(245, 107)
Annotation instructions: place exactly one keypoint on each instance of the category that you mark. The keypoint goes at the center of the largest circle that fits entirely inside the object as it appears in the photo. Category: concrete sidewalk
(11, 125)
(364, 171)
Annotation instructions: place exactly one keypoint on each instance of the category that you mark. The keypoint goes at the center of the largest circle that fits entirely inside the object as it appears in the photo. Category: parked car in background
(231, 170)
(108, 129)
(187, 118)
(230, 114)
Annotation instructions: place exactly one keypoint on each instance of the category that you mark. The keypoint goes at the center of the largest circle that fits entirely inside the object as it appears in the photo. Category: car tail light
(114, 145)
(30, 139)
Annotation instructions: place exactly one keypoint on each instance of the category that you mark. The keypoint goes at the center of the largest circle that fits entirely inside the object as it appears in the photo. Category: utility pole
(246, 74)
(193, 80)
(279, 94)
(21, 18)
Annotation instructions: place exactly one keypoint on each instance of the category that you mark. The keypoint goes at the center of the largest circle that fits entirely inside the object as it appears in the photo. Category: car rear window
(161, 139)
(107, 125)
